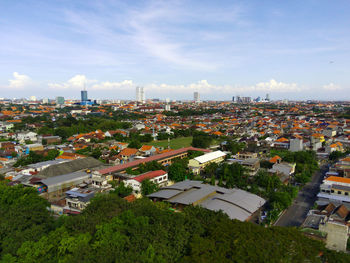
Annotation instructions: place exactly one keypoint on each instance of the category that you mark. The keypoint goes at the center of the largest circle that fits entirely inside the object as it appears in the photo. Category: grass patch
(176, 143)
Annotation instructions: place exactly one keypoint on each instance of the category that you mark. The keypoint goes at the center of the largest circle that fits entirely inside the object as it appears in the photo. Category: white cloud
(77, 82)
(204, 87)
(274, 86)
(331, 87)
(107, 85)
(19, 81)
(126, 87)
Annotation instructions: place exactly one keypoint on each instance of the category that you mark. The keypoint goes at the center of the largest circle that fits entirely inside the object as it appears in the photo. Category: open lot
(174, 143)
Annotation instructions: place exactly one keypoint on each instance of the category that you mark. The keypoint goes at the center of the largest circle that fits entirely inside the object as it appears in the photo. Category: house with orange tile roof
(148, 150)
(337, 146)
(69, 156)
(281, 143)
(275, 159)
(128, 155)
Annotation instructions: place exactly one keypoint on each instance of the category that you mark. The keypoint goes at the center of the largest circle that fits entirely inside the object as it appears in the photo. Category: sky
(291, 49)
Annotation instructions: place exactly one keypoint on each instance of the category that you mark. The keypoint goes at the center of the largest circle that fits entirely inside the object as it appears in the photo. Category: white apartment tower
(196, 97)
(140, 94)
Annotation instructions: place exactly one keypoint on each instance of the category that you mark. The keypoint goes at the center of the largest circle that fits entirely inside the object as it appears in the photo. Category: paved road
(296, 213)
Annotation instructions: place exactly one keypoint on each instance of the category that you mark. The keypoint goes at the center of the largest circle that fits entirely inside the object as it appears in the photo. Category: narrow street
(296, 213)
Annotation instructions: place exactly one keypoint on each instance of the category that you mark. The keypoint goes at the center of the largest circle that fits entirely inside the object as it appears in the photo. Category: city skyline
(291, 50)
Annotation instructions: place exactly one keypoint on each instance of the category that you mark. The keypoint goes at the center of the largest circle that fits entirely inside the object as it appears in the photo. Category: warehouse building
(236, 203)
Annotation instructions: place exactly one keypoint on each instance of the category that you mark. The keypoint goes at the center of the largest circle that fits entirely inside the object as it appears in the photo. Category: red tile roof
(149, 175)
(122, 167)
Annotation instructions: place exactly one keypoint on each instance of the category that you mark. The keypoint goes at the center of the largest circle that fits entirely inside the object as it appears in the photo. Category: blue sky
(289, 49)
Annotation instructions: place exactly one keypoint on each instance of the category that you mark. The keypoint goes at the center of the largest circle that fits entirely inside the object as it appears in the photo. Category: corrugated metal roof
(60, 179)
(247, 201)
(210, 156)
(236, 203)
(193, 195)
(165, 194)
(234, 212)
(69, 167)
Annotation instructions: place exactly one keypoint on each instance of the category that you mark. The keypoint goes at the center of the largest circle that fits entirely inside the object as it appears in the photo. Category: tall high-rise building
(267, 97)
(233, 99)
(84, 96)
(196, 96)
(143, 96)
(246, 99)
(60, 100)
(140, 94)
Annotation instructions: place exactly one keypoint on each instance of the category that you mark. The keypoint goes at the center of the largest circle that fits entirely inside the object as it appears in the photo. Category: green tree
(23, 217)
(177, 172)
(96, 153)
(123, 190)
(135, 144)
(148, 187)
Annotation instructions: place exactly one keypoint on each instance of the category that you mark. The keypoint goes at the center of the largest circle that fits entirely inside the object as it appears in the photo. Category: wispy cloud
(20, 81)
(331, 87)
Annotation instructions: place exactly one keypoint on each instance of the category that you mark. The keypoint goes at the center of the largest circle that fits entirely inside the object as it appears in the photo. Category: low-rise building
(196, 165)
(335, 189)
(236, 203)
(158, 177)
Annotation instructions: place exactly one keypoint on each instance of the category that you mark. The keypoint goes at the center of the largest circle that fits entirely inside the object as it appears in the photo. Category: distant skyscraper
(60, 100)
(196, 96)
(143, 96)
(233, 99)
(140, 94)
(84, 96)
(246, 99)
(267, 97)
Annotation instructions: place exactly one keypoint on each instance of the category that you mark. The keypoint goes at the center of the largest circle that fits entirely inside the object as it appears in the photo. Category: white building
(296, 145)
(140, 94)
(196, 96)
(158, 177)
(196, 165)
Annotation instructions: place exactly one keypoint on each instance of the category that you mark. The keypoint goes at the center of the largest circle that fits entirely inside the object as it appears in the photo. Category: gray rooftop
(55, 182)
(45, 163)
(236, 203)
(69, 167)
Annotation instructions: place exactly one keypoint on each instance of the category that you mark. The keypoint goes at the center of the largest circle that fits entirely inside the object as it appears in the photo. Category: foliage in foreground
(112, 230)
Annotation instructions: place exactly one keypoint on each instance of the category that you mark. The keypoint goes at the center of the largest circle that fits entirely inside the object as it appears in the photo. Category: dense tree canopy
(113, 230)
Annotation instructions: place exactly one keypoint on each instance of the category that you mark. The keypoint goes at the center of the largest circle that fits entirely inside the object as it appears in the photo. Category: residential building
(296, 145)
(335, 189)
(127, 155)
(196, 97)
(60, 100)
(148, 150)
(283, 170)
(158, 177)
